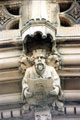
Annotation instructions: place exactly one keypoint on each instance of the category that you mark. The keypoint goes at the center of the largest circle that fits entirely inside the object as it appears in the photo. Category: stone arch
(42, 29)
(14, 24)
(65, 21)
(64, 6)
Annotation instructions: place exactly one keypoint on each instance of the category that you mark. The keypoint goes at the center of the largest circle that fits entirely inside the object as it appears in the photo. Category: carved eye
(42, 57)
(37, 57)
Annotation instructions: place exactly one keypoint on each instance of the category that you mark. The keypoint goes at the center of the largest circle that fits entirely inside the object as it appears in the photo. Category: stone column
(39, 9)
(54, 14)
(25, 11)
(32, 9)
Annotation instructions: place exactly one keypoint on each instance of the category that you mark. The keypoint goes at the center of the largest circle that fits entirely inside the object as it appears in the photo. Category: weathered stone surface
(47, 19)
(16, 113)
(70, 110)
(6, 114)
(43, 115)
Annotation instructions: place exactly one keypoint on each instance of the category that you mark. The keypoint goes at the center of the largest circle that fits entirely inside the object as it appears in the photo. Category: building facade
(56, 22)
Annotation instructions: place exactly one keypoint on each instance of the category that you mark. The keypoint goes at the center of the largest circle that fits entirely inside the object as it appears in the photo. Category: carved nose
(39, 58)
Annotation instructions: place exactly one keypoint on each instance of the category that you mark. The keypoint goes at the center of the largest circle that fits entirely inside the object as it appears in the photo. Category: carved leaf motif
(25, 62)
(55, 61)
(52, 60)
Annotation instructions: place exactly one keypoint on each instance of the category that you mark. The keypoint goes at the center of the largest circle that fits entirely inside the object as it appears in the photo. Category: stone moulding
(15, 19)
(43, 26)
(69, 95)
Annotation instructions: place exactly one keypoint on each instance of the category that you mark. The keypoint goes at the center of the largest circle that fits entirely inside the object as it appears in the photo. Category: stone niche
(37, 41)
(38, 34)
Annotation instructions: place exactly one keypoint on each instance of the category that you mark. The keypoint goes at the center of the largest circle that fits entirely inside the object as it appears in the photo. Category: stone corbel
(45, 28)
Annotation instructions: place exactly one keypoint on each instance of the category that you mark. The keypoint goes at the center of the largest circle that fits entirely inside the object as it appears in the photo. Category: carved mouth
(40, 66)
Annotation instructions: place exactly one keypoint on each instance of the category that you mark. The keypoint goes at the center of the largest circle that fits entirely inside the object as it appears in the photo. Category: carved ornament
(74, 12)
(52, 60)
(4, 17)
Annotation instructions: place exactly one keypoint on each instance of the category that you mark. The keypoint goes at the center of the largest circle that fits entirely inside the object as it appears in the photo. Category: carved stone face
(40, 62)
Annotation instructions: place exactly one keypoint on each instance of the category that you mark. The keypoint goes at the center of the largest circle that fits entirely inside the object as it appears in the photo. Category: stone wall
(67, 40)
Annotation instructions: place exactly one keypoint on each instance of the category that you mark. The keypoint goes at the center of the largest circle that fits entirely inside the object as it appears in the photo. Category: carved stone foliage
(74, 12)
(25, 62)
(52, 60)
